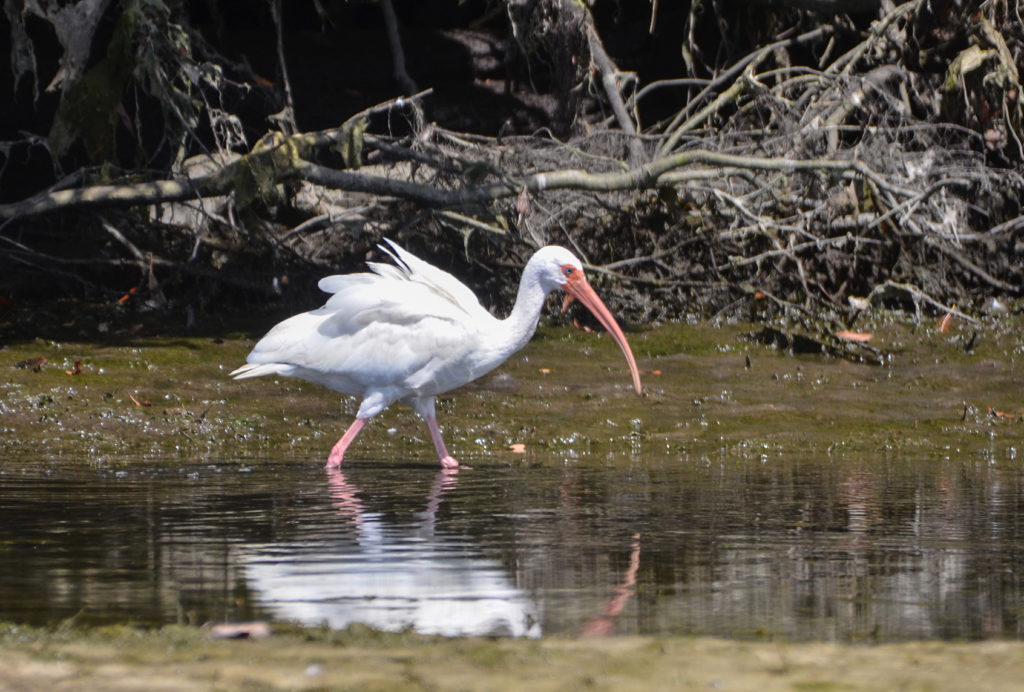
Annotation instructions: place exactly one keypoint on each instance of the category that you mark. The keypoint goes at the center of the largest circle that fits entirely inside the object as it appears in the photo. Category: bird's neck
(521, 323)
(509, 335)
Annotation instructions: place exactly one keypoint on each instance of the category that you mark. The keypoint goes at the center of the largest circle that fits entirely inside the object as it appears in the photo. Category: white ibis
(411, 331)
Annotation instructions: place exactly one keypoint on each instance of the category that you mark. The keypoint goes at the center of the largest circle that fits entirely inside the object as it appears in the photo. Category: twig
(119, 237)
(969, 265)
(471, 222)
(321, 221)
(917, 294)
(792, 250)
(609, 81)
(287, 116)
(665, 83)
(1007, 226)
(844, 63)
(729, 75)
(730, 95)
(908, 206)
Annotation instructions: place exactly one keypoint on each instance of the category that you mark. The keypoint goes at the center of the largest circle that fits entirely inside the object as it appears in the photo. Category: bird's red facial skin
(572, 276)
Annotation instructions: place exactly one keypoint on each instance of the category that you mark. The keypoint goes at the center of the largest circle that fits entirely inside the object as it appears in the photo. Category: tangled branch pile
(833, 164)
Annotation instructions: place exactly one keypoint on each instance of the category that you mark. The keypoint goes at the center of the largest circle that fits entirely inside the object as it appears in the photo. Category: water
(800, 546)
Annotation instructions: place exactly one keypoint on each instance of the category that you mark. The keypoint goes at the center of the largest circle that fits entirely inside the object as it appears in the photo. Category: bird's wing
(342, 282)
(375, 332)
(391, 296)
(413, 269)
(426, 279)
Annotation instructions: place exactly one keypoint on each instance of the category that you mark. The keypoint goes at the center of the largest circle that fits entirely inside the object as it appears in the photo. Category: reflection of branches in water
(604, 623)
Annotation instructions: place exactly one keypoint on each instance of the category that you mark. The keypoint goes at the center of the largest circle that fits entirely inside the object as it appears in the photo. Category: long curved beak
(578, 287)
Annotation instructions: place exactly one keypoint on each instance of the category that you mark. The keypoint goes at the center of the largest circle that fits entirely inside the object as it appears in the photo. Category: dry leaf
(517, 447)
(944, 322)
(144, 402)
(1000, 414)
(76, 370)
(522, 206)
(582, 327)
(241, 630)
(129, 294)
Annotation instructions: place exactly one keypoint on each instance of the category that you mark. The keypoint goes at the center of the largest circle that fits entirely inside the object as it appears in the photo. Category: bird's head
(559, 268)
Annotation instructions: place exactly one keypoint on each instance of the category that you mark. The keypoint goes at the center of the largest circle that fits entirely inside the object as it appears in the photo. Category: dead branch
(280, 160)
(99, 196)
(611, 78)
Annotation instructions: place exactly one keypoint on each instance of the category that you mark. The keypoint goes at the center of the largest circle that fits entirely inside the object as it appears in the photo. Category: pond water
(800, 548)
(797, 498)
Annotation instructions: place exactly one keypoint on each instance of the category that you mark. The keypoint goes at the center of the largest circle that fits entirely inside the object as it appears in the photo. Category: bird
(409, 331)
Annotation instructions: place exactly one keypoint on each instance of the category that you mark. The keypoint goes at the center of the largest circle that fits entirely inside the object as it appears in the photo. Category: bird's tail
(256, 370)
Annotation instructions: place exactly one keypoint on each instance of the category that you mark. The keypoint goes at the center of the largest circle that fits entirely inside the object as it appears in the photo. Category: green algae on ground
(709, 391)
(180, 658)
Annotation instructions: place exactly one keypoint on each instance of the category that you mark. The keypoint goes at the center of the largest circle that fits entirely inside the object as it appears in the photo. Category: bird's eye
(567, 270)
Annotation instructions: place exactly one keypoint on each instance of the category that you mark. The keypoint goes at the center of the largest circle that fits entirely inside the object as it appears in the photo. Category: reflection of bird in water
(347, 502)
(397, 576)
(410, 331)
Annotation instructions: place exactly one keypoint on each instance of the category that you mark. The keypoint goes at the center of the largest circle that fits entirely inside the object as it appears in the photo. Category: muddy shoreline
(180, 658)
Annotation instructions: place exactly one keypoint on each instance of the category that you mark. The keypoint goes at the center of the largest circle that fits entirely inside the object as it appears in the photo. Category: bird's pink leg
(447, 460)
(338, 451)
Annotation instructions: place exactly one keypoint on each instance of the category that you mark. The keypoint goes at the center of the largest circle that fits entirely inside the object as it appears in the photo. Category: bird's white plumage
(408, 330)
(432, 279)
(411, 331)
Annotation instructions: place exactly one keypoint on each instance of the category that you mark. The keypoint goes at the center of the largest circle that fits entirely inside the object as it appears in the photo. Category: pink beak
(578, 287)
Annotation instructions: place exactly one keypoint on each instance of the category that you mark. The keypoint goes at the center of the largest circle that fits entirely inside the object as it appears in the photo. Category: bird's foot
(338, 450)
(449, 462)
(334, 458)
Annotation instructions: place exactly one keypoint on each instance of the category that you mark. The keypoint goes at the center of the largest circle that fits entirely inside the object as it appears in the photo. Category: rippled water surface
(872, 548)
